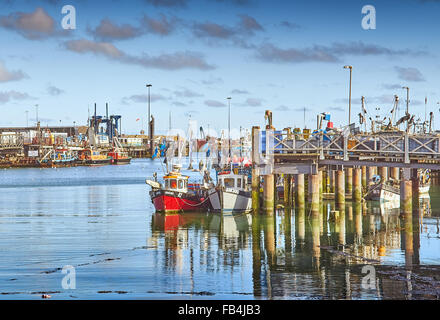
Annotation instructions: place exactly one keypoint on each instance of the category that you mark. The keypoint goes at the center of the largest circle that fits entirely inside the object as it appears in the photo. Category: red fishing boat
(119, 157)
(176, 195)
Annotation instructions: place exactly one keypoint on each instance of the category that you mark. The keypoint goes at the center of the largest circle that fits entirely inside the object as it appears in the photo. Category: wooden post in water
(332, 181)
(364, 177)
(415, 188)
(383, 172)
(395, 173)
(340, 188)
(406, 195)
(286, 182)
(255, 171)
(314, 192)
(268, 193)
(255, 191)
(349, 179)
(300, 200)
(370, 174)
(320, 179)
(357, 185)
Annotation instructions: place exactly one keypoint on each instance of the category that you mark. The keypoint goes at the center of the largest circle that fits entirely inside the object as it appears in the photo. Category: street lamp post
(229, 125)
(36, 108)
(149, 101)
(407, 106)
(349, 95)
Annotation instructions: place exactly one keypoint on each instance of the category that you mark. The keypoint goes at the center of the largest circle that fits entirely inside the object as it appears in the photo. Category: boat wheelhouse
(176, 195)
(232, 193)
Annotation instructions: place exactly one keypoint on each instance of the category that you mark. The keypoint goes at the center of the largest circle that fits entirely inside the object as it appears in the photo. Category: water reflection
(301, 254)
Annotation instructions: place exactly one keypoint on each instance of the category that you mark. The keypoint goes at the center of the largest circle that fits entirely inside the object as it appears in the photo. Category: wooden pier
(346, 159)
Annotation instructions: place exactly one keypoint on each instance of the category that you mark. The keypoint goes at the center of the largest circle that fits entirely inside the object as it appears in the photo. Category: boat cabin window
(180, 184)
(173, 183)
(228, 182)
(167, 184)
(239, 183)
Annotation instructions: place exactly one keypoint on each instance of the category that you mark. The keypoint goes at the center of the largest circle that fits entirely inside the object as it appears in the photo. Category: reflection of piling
(268, 193)
(349, 178)
(364, 177)
(269, 239)
(299, 188)
(255, 191)
(316, 237)
(341, 225)
(314, 192)
(358, 221)
(300, 220)
(256, 255)
(357, 185)
(340, 188)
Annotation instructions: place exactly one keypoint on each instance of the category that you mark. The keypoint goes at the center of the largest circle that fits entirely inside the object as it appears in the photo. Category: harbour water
(101, 221)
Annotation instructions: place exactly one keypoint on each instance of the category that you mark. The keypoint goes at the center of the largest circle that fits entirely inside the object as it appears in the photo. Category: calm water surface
(101, 221)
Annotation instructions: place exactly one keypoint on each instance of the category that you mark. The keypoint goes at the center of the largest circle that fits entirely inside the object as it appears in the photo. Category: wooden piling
(406, 195)
(320, 179)
(357, 185)
(299, 188)
(383, 172)
(255, 191)
(364, 177)
(349, 180)
(286, 183)
(395, 173)
(340, 188)
(268, 193)
(370, 174)
(314, 192)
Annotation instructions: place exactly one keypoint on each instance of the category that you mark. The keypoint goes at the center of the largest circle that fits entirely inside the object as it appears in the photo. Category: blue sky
(278, 55)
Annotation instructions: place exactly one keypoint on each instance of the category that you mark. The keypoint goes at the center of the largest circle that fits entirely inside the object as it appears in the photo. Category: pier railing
(11, 141)
(343, 145)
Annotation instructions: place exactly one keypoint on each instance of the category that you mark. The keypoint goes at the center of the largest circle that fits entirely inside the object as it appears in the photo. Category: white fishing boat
(232, 193)
(424, 182)
(389, 191)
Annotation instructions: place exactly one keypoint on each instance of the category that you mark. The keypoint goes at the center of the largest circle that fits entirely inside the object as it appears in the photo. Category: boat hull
(170, 201)
(230, 200)
(97, 162)
(424, 189)
(122, 161)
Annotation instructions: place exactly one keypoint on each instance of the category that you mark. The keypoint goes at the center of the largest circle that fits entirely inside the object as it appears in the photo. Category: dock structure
(344, 160)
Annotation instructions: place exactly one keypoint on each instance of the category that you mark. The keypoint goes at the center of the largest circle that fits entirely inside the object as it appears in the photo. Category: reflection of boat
(231, 193)
(175, 194)
(388, 207)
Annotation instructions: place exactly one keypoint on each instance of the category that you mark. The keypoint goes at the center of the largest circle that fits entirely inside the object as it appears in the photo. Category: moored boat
(91, 157)
(119, 157)
(176, 195)
(232, 193)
